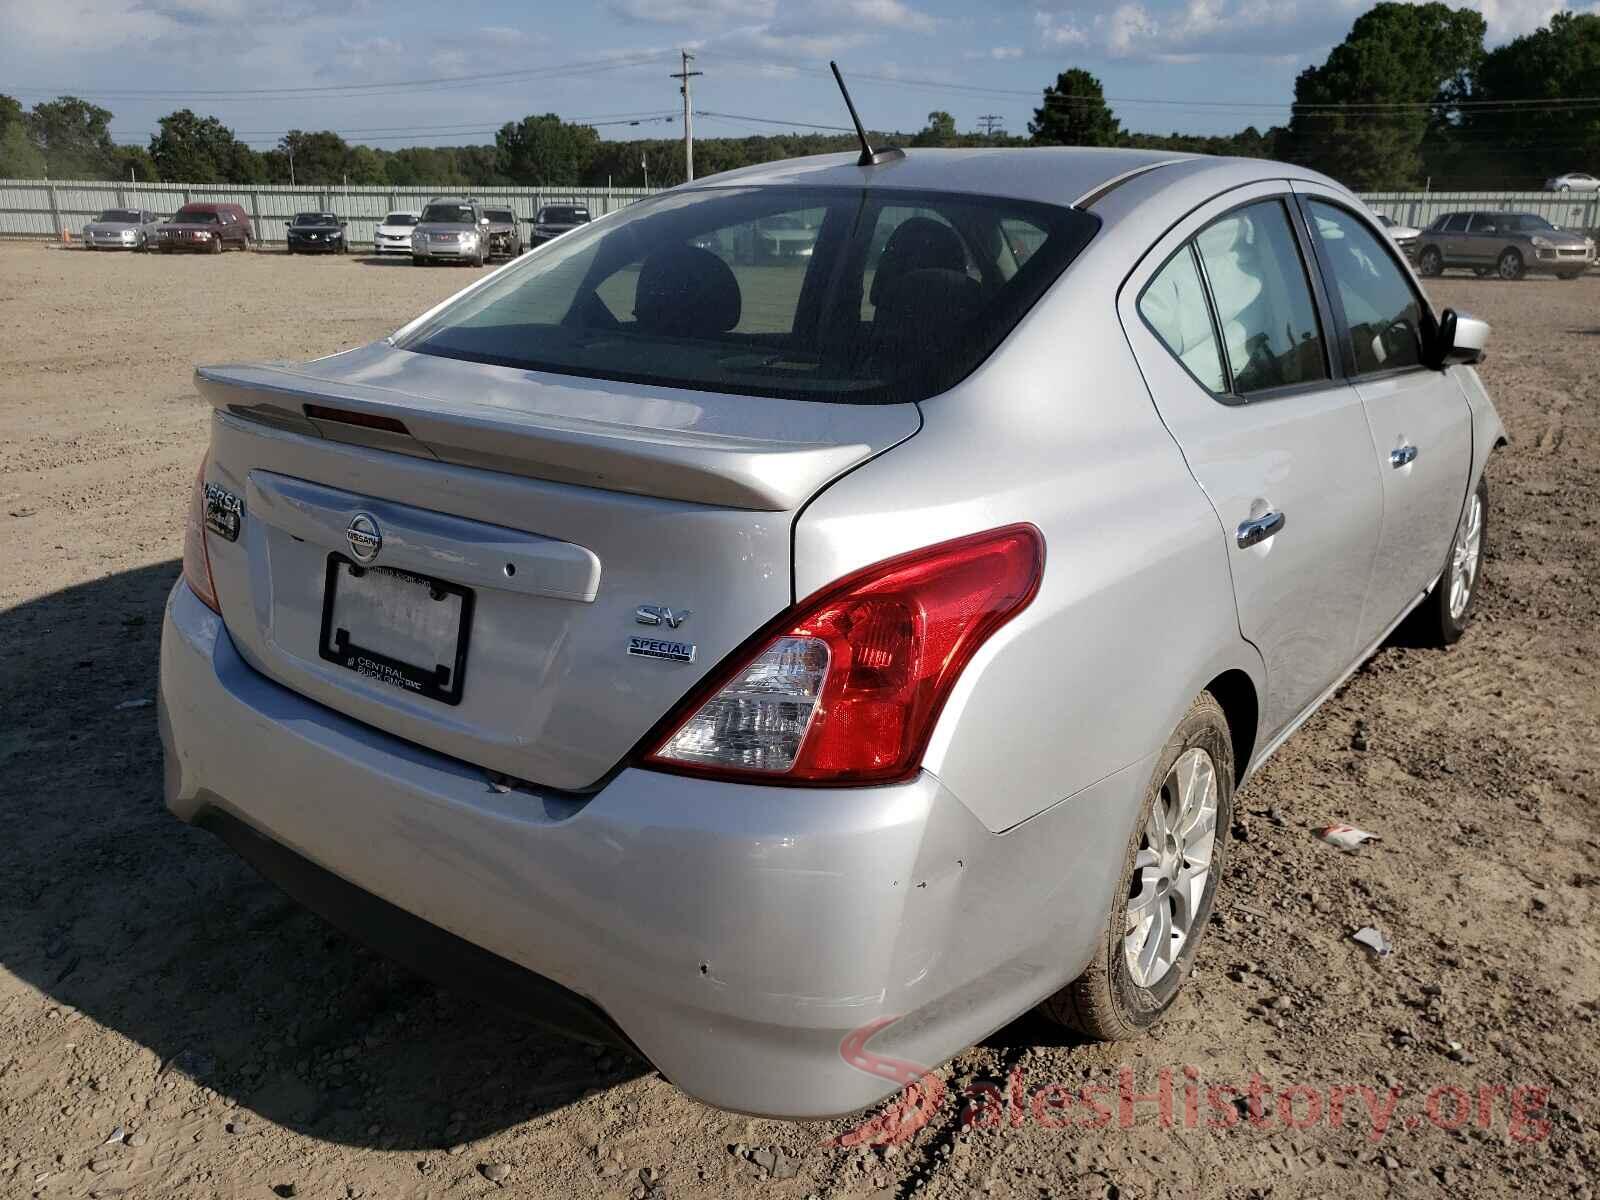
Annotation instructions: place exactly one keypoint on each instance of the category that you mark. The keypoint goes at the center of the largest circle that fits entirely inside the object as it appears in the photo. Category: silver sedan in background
(743, 662)
(121, 229)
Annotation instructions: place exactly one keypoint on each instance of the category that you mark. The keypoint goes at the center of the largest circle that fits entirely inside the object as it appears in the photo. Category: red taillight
(845, 688)
(196, 558)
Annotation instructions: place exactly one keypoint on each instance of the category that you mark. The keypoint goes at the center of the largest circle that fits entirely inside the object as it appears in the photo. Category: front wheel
(1510, 265)
(1168, 885)
(216, 246)
(1430, 263)
(1441, 618)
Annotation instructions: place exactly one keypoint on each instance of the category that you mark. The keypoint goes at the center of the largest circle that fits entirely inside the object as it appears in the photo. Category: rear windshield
(842, 294)
(563, 216)
(196, 217)
(119, 216)
(448, 214)
(400, 219)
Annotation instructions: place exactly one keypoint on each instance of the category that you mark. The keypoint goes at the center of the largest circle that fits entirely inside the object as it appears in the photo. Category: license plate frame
(441, 682)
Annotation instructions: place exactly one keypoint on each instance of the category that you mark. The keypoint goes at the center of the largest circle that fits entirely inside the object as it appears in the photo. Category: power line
(774, 121)
(991, 122)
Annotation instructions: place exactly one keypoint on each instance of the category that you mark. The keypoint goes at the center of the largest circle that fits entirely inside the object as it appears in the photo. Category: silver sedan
(748, 662)
(121, 229)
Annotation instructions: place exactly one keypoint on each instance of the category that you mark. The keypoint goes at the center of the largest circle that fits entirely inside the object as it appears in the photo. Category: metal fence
(33, 208)
(36, 208)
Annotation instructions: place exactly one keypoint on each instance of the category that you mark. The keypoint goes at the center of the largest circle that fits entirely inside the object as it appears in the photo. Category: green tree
(940, 131)
(135, 162)
(19, 157)
(1527, 143)
(320, 158)
(1395, 55)
(74, 136)
(1075, 113)
(195, 149)
(545, 151)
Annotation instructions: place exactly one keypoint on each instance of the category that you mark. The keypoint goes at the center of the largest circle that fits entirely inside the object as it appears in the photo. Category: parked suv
(746, 672)
(451, 230)
(505, 239)
(555, 219)
(206, 229)
(1506, 244)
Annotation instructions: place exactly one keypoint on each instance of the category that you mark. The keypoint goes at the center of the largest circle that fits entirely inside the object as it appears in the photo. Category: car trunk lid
(524, 521)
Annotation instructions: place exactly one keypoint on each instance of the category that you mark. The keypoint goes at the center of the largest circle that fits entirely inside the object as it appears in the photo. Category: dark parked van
(207, 228)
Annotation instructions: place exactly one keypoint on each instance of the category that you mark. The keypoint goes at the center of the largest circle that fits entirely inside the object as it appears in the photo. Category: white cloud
(1056, 32)
(693, 12)
(994, 53)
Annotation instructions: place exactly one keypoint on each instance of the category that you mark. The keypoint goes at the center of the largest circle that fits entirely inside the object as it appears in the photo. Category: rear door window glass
(1262, 297)
(1382, 309)
(1174, 306)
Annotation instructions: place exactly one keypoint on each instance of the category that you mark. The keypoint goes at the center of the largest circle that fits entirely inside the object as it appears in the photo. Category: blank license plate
(405, 630)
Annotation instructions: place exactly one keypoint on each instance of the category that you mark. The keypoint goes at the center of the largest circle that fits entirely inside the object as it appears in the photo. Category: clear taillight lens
(846, 687)
(196, 558)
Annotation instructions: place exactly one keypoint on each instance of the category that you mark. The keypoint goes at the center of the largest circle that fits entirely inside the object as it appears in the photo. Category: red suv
(211, 228)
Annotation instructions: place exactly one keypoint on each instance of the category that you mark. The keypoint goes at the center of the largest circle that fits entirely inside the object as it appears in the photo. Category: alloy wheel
(1464, 559)
(1510, 265)
(1171, 868)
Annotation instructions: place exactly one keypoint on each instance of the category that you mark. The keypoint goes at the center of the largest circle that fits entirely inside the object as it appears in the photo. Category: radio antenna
(869, 156)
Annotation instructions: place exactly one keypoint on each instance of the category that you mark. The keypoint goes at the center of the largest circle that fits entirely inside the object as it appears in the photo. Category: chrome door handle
(1259, 529)
(1402, 456)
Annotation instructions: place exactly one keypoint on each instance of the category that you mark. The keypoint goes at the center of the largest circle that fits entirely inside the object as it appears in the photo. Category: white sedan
(1573, 181)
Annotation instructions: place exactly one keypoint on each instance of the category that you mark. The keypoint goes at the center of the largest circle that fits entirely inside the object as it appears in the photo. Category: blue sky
(1190, 65)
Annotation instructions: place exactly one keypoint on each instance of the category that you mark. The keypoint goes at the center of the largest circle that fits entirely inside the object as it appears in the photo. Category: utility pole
(688, 119)
(990, 122)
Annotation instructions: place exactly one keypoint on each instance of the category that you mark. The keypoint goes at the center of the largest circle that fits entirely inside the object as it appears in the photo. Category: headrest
(686, 292)
(926, 308)
(917, 244)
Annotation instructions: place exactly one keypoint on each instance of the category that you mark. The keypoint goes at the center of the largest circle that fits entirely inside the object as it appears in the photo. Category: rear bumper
(734, 934)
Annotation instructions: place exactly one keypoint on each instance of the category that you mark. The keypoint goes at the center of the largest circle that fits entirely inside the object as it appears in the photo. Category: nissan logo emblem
(364, 536)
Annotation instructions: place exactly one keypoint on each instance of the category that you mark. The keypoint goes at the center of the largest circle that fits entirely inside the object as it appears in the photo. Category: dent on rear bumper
(735, 933)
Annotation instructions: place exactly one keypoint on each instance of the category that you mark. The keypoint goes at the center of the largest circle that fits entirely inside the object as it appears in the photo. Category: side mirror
(1459, 338)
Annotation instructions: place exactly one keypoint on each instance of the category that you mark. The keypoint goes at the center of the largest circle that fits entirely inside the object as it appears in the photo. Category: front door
(1234, 348)
(1421, 425)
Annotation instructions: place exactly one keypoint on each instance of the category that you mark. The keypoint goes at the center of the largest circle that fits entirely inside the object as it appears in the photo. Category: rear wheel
(1510, 265)
(1441, 618)
(1169, 882)
(1430, 262)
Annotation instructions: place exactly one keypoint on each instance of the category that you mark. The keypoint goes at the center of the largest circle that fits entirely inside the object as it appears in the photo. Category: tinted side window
(1384, 313)
(1174, 305)
(1455, 223)
(1262, 297)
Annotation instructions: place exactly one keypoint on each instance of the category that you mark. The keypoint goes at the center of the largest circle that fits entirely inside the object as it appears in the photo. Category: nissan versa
(728, 657)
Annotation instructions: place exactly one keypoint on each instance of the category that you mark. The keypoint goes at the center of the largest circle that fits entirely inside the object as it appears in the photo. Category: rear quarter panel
(1135, 614)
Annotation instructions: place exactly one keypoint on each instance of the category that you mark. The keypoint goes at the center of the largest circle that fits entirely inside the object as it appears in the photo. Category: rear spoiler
(748, 472)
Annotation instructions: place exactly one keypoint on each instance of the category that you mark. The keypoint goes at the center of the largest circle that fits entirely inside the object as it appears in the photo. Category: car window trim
(1347, 346)
(1233, 398)
(1228, 397)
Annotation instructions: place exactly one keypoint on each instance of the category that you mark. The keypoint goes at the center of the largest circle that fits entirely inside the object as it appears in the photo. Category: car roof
(1060, 175)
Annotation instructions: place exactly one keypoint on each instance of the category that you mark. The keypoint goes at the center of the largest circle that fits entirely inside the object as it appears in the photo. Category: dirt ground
(171, 1026)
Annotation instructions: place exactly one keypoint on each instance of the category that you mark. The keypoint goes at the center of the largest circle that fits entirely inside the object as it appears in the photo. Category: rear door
(1421, 425)
(1272, 433)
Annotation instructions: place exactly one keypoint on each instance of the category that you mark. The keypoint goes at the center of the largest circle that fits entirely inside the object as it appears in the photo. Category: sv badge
(656, 614)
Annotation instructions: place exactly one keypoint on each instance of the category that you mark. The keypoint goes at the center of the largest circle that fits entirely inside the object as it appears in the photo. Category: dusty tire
(216, 246)
(1107, 1002)
(1430, 263)
(1441, 619)
(1509, 265)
